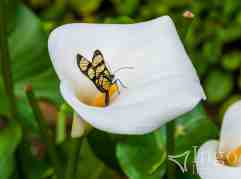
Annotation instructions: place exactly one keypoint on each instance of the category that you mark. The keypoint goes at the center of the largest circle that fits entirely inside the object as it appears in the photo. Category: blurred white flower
(162, 85)
(221, 159)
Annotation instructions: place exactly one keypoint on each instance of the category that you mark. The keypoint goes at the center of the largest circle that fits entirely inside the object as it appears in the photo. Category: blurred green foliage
(10, 137)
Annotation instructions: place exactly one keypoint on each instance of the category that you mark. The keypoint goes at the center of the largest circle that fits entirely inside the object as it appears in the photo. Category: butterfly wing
(100, 65)
(100, 69)
(85, 67)
(98, 58)
(96, 70)
(83, 63)
(103, 74)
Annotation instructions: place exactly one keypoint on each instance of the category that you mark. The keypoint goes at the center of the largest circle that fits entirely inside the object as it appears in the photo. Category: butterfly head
(112, 77)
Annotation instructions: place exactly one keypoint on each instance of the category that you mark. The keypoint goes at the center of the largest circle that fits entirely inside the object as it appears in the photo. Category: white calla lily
(209, 165)
(161, 86)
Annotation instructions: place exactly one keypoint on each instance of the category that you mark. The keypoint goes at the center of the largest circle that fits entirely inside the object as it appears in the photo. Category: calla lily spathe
(162, 85)
(208, 164)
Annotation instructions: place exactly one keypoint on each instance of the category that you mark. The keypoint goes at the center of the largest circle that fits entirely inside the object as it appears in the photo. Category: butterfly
(97, 71)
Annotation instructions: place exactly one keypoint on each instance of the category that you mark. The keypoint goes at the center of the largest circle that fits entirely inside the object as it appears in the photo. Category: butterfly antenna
(107, 64)
(121, 83)
(122, 68)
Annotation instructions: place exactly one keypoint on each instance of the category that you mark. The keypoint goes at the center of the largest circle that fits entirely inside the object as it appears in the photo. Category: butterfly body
(97, 71)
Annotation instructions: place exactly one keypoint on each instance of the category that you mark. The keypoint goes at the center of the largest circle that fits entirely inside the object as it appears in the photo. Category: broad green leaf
(90, 167)
(193, 129)
(189, 175)
(10, 137)
(144, 156)
(104, 147)
(29, 55)
(141, 156)
(7, 167)
(30, 63)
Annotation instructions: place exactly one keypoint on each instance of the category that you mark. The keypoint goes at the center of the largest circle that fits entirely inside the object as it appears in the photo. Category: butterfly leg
(118, 89)
(107, 98)
(121, 83)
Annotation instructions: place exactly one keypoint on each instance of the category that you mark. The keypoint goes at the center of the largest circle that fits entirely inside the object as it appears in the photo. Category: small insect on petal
(188, 14)
(100, 97)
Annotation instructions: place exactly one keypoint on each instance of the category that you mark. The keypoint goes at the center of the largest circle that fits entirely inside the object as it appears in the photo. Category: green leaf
(188, 175)
(218, 85)
(192, 130)
(232, 61)
(126, 7)
(34, 166)
(85, 7)
(192, 124)
(90, 167)
(29, 55)
(7, 167)
(141, 156)
(30, 64)
(10, 137)
(104, 147)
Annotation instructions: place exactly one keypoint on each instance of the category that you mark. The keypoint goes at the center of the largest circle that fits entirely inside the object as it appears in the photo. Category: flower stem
(170, 134)
(6, 63)
(73, 158)
(61, 124)
(188, 24)
(44, 131)
(6, 73)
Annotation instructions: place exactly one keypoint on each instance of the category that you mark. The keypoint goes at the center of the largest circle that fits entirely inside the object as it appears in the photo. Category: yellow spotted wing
(96, 71)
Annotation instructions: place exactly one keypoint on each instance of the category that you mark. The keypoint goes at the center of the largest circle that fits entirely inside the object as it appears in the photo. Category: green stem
(170, 134)
(6, 63)
(74, 154)
(61, 124)
(188, 24)
(7, 73)
(44, 132)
